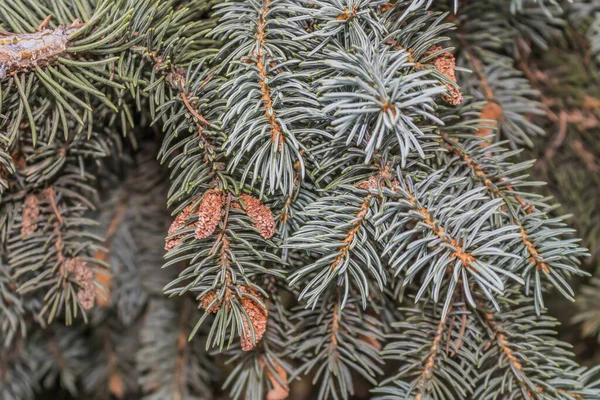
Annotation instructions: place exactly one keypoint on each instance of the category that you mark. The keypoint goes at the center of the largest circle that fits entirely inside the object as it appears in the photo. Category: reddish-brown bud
(260, 214)
(209, 213)
(31, 212)
(258, 318)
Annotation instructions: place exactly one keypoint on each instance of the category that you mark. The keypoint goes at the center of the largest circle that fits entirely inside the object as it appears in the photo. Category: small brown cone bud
(446, 64)
(258, 317)
(209, 213)
(206, 301)
(87, 295)
(179, 222)
(31, 212)
(82, 273)
(261, 214)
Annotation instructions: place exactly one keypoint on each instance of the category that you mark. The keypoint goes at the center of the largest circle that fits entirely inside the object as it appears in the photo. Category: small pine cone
(82, 273)
(446, 64)
(173, 242)
(31, 212)
(258, 317)
(207, 299)
(261, 214)
(79, 268)
(179, 222)
(87, 295)
(209, 213)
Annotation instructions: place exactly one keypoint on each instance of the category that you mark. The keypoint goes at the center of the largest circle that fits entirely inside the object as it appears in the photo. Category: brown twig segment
(285, 209)
(359, 219)
(387, 106)
(50, 195)
(44, 24)
(287, 205)
(191, 109)
(465, 257)
(22, 52)
(260, 56)
(371, 340)
(478, 69)
(493, 189)
(493, 112)
(504, 345)
(516, 365)
(176, 77)
(560, 137)
(573, 395)
(588, 158)
(535, 255)
(335, 323)
(480, 173)
(427, 372)
(360, 216)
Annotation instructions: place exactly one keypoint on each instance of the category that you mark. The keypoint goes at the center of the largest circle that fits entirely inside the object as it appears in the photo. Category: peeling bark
(24, 51)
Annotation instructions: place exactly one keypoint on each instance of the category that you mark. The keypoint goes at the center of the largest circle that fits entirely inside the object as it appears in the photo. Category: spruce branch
(446, 229)
(339, 229)
(265, 91)
(183, 368)
(528, 213)
(433, 351)
(222, 263)
(333, 341)
(509, 96)
(523, 358)
(375, 87)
